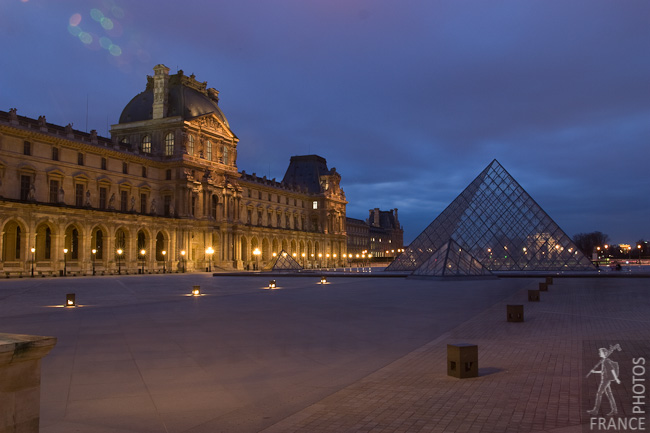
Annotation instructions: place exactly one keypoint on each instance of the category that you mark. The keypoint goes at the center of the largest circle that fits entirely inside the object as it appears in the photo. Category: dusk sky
(409, 99)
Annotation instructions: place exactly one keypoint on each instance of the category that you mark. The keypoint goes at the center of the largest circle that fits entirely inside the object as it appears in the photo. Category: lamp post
(639, 248)
(94, 251)
(164, 269)
(209, 251)
(142, 253)
(33, 251)
(320, 260)
(303, 260)
(256, 253)
(119, 261)
(183, 260)
(65, 262)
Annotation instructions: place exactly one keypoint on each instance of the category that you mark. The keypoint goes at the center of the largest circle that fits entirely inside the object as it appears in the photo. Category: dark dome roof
(186, 98)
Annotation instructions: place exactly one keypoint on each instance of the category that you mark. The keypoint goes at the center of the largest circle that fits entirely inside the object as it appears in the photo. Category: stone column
(20, 380)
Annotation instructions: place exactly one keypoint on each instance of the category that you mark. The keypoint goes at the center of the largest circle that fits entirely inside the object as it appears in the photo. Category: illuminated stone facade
(167, 182)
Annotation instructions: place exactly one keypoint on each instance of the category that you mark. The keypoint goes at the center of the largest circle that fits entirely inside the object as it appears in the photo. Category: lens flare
(115, 50)
(75, 20)
(105, 42)
(118, 12)
(86, 38)
(74, 30)
(107, 23)
(96, 14)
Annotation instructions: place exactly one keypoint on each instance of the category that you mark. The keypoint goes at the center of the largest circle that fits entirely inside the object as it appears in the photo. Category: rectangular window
(124, 199)
(80, 158)
(144, 171)
(27, 148)
(168, 175)
(193, 207)
(103, 163)
(25, 186)
(102, 198)
(55, 154)
(125, 168)
(167, 201)
(143, 203)
(314, 205)
(54, 191)
(79, 195)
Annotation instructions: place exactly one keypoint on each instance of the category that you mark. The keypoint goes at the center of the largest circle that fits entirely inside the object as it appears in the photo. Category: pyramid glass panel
(451, 260)
(283, 262)
(500, 226)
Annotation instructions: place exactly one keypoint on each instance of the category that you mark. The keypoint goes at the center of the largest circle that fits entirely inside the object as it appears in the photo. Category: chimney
(160, 80)
(396, 219)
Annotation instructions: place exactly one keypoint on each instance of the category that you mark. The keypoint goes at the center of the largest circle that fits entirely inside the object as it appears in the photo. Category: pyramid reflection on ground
(496, 222)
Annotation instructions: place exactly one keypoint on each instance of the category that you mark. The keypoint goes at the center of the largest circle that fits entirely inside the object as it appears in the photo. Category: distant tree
(587, 242)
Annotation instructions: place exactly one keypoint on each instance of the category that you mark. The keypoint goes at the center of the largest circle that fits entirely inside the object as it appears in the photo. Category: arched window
(169, 144)
(74, 245)
(146, 144)
(190, 145)
(99, 245)
(18, 241)
(48, 243)
(208, 150)
(225, 155)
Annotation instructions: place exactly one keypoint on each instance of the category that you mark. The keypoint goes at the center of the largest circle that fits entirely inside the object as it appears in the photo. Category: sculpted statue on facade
(87, 203)
(111, 202)
(61, 198)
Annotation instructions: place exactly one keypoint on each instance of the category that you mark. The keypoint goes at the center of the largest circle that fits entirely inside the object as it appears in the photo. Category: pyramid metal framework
(501, 226)
(451, 260)
(283, 262)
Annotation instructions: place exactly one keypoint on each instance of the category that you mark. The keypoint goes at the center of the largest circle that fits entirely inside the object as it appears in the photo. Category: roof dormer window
(146, 144)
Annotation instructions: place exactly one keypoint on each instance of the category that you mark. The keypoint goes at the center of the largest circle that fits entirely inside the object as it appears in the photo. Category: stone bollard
(533, 296)
(543, 287)
(515, 313)
(462, 360)
(20, 380)
(549, 281)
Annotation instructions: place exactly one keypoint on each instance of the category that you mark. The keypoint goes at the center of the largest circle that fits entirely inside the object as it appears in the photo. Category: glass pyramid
(283, 262)
(451, 260)
(501, 226)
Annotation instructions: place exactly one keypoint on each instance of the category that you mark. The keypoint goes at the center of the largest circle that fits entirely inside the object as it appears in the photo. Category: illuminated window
(169, 144)
(225, 155)
(208, 150)
(314, 205)
(146, 144)
(190, 145)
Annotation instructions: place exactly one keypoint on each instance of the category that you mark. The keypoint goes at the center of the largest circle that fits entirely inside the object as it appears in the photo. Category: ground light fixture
(196, 290)
(70, 300)
(323, 279)
(272, 284)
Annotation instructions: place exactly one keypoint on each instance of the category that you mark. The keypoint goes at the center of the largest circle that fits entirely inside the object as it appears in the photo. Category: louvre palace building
(163, 193)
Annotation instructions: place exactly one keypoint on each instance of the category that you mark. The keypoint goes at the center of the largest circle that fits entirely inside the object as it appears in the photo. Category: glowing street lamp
(256, 253)
(94, 251)
(639, 248)
(65, 262)
(303, 259)
(33, 251)
(209, 251)
(163, 254)
(143, 252)
(119, 261)
(183, 260)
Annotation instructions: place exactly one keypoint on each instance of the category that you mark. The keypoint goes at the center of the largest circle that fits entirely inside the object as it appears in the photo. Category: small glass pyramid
(283, 262)
(501, 226)
(451, 260)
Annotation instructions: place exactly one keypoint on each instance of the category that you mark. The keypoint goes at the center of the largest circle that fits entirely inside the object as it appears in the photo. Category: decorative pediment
(210, 122)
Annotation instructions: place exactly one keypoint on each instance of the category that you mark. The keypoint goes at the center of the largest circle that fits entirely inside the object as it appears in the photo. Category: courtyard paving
(352, 355)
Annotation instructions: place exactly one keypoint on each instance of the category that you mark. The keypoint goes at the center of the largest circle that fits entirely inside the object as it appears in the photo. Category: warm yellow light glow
(357, 256)
(164, 252)
(303, 254)
(275, 254)
(295, 254)
(33, 250)
(183, 253)
(370, 256)
(94, 251)
(65, 251)
(119, 251)
(606, 246)
(334, 256)
(196, 290)
(209, 250)
(143, 252)
(327, 255)
(257, 251)
(323, 280)
(320, 255)
(272, 284)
